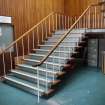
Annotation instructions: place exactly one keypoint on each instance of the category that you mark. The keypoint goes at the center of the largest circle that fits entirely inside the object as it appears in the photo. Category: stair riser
(43, 73)
(43, 83)
(34, 92)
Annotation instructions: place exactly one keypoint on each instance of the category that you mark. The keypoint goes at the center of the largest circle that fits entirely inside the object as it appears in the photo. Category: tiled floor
(85, 87)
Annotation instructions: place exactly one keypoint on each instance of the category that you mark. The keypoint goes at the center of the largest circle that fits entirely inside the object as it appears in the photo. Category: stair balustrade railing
(91, 18)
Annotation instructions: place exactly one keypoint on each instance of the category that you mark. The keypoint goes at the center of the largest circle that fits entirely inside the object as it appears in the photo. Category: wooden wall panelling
(76, 7)
(27, 13)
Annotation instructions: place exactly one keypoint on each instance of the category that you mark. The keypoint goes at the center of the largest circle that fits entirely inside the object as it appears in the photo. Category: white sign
(5, 19)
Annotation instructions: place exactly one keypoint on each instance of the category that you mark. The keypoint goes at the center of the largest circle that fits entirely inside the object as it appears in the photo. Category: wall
(76, 7)
(27, 13)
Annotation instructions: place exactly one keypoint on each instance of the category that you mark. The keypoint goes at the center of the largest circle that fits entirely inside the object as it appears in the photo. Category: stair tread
(33, 60)
(69, 36)
(39, 68)
(56, 50)
(49, 50)
(25, 83)
(58, 46)
(71, 41)
(34, 54)
(32, 75)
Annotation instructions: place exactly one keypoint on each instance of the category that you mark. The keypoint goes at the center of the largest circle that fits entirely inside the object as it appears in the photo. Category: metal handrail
(65, 35)
(62, 38)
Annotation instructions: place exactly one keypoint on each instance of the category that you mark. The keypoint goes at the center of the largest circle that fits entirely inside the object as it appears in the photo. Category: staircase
(24, 76)
(38, 70)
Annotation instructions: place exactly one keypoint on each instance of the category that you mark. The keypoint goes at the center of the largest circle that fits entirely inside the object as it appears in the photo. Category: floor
(85, 87)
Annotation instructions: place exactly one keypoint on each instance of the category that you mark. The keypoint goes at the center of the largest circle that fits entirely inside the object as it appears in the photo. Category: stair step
(73, 31)
(42, 70)
(59, 46)
(60, 31)
(25, 85)
(49, 65)
(53, 57)
(49, 50)
(55, 53)
(33, 78)
(66, 39)
(53, 41)
(41, 55)
(59, 49)
(37, 61)
(70, 35)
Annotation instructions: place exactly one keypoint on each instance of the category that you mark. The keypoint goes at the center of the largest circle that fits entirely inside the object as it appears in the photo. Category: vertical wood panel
(76, 7)
(27, 13)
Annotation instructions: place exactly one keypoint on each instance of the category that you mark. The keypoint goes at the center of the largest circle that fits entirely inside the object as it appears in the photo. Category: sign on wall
(5, 19)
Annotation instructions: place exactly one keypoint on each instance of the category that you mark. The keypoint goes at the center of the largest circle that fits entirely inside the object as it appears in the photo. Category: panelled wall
(27, 13)
(76, 7)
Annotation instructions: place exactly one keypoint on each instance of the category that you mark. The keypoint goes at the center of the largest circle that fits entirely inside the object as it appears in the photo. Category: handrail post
(59, 21)
(89, 19)
(23, 47)
(42, 37)
(46, 78)
(46, 30)
(68, 22)
(49, 25)
(38, 85)
(62, 22)
(17, 54)
(28, 44)
(10, 54)
(4, 65)
(95, 16)
(65, 21)
(56, 19)
(37, 33)
(33, 36)
(53, 22)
